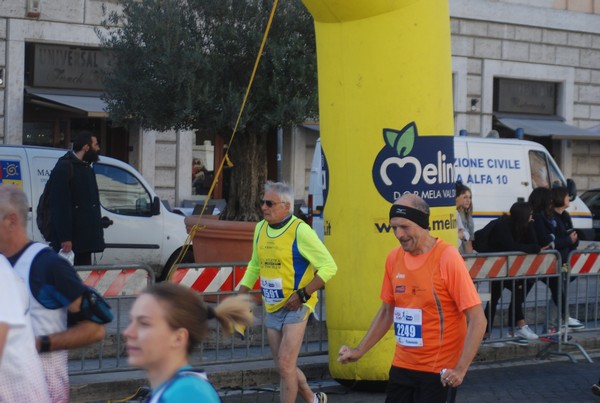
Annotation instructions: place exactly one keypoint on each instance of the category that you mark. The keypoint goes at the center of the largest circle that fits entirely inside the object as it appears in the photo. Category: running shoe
(574, 324)
(321, 397)
(526, 333)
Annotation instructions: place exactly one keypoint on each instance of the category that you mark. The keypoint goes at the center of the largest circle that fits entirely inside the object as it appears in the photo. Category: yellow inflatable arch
(385, 94)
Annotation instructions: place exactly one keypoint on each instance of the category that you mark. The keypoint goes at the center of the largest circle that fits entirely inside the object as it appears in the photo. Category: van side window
(121, 192)
(544, 172)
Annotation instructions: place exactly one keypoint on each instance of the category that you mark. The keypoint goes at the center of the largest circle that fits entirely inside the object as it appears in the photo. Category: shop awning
(556, 129)
(594, 129)
(92, 105)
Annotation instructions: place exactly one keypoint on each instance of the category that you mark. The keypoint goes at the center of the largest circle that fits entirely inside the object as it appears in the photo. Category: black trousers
(409, 386)
(518, 290)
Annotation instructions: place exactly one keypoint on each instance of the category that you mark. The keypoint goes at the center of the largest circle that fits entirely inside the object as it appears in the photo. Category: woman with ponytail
(167, 322)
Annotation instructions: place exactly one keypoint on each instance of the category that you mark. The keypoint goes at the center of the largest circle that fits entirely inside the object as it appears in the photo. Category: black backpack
(481, 243)
(43, 216)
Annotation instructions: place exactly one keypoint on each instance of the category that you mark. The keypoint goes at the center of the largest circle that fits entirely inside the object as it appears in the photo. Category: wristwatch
(44, 344)
(303, 295)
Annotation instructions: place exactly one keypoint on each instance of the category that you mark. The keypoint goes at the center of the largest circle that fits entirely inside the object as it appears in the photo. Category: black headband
(412, 214)
(210, 312)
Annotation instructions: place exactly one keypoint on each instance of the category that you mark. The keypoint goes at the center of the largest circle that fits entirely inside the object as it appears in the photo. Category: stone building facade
(538, 43)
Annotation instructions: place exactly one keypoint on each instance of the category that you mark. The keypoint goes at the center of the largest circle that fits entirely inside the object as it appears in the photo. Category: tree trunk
(248, 154)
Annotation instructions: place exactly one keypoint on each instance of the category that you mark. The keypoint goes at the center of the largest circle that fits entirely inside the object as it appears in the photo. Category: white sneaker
(320, 397)
(526, 333)
(516, 339)
(573, 323)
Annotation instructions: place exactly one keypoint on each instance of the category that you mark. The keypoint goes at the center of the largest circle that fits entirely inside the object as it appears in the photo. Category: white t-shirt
(21, 375)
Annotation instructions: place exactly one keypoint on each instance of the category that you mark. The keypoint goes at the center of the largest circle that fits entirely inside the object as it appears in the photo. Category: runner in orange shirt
(429, 297)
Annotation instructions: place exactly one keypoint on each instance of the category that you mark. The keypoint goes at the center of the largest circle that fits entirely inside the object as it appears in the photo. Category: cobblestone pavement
(532, 381)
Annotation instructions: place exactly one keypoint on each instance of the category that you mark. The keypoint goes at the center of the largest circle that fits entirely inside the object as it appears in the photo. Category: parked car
(592, 199)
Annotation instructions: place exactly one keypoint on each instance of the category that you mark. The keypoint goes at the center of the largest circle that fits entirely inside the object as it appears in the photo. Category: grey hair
(414, 201)
(12, 198)
(285, 192)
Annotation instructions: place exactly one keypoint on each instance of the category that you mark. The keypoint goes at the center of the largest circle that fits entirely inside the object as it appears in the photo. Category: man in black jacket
(74, 201)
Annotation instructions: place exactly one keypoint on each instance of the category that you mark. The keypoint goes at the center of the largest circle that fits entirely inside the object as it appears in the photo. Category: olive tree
(185, 64)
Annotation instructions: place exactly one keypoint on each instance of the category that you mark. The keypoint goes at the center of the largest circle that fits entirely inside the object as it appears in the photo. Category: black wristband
(44, 344)
(303, 295)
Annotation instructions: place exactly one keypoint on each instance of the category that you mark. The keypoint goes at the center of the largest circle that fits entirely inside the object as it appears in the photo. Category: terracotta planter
(220, 241)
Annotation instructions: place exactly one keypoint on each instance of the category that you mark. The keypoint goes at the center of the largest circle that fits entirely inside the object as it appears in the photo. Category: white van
(499, 172)
(143, 230)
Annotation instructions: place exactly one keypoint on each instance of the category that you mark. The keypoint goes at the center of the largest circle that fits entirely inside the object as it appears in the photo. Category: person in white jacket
(21, 375)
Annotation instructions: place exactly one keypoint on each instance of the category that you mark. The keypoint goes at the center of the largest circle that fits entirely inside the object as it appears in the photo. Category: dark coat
(75, 206)
(502, 238)
(555, 230)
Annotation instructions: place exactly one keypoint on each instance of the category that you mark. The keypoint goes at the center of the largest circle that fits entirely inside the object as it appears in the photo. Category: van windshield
(543, 171)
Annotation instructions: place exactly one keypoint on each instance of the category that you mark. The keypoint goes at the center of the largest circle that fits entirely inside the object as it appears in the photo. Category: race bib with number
(272, 290)
(408, 327)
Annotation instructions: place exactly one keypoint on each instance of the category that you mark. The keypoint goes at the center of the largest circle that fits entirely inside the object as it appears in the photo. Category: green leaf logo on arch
(402, 141)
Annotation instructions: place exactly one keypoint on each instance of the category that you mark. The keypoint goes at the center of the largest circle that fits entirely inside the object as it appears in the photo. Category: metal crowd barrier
(583, 286)
(119, 285)
(514, 268)
(217, 281)
(533, 272)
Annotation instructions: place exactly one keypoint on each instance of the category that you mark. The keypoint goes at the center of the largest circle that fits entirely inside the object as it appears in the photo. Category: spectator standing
(429, 298)
(513, 233)
(167, 322)
(464, 218)
(55, 292)
(21, 375)
(551, 226)
(76, 223)
(292, 264)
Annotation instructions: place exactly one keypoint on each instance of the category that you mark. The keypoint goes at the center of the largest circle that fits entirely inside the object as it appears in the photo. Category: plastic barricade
(115, 280)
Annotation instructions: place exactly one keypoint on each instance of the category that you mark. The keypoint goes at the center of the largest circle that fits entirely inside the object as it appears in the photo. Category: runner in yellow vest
(292, 264)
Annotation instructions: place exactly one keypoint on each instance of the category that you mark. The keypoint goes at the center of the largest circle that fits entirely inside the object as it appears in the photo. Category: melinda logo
(411, 164)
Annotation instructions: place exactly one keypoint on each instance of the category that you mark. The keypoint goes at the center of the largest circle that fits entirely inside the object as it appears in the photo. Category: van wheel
(188, 258)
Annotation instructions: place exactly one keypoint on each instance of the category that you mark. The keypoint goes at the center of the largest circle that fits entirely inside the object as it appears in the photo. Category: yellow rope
(225, 158)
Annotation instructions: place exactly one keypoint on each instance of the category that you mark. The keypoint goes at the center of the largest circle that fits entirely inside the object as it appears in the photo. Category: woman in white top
(464, 219)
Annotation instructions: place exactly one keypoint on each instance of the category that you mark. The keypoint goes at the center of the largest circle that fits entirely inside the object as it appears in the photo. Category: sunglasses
(269, 203)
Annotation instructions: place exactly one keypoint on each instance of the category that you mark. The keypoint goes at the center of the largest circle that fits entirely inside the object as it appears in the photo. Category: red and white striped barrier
(114, 281)
(211, 279)
(482, 267)
(584, 263)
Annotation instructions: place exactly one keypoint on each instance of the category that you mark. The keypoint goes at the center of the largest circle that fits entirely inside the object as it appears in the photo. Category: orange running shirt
(430, 292)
